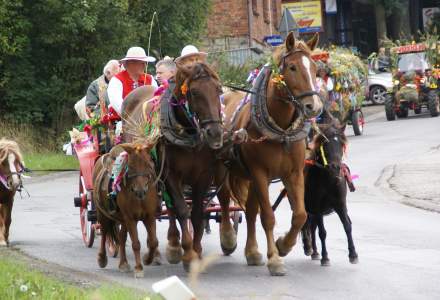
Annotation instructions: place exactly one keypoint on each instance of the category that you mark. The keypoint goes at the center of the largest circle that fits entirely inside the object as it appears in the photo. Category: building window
(255, 7)
(266, 11)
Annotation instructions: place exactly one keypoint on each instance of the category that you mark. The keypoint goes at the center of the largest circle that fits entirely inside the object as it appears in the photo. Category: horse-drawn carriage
(197, 149)
(347, 92)
(89, 146)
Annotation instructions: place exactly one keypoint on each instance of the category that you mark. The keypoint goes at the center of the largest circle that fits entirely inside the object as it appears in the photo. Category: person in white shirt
(131, 78)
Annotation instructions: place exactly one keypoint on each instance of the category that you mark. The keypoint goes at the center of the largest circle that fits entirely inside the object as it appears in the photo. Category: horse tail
(113, 231)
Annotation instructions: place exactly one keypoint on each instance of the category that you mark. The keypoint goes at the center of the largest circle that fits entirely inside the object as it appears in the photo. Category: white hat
(138, 53)
(190, 50)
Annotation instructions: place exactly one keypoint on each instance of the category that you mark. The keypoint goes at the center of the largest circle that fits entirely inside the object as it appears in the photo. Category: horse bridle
(201, 123)
(8, 176)
(295, 100)
(292, 99)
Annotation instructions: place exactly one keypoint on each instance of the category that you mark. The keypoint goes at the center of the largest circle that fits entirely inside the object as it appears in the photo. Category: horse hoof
(186, 266)
(157, 260)
(315, 256)
(152, 259)
(325, 262)
(138, 273)
(174, 254)
(102, 261)
(354, 260)
(308, 252)
(282, 250)
(228, 251)
(254, 259)
(3, 244)
(124, 268)
(276, 267)
(228, 242)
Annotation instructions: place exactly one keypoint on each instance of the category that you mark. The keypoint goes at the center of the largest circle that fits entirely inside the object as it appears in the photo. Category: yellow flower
(184, 89)
(278, 79)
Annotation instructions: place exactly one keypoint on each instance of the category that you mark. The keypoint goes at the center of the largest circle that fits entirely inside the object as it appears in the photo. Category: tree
(13, 44)
(178, 23)
(383, 9)
(50, 50)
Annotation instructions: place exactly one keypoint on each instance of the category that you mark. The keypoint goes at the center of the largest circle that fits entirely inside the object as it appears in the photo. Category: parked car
(378, 85)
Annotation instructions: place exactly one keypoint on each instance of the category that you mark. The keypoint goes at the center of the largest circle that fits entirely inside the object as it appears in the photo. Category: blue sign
(273, 40)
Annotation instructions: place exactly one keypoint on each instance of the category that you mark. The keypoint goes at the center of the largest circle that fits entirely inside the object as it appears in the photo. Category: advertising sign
(307, 14)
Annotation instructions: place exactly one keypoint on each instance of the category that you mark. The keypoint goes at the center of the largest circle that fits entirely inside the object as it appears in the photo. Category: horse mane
(8, 146)
(194, 72)
(281, 50)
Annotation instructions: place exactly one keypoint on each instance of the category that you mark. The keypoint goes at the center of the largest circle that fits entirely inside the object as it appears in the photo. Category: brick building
(238, 27)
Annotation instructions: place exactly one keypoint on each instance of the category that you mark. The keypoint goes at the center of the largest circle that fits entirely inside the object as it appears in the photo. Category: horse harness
(344, 169)
(172, 130)
(262, 120)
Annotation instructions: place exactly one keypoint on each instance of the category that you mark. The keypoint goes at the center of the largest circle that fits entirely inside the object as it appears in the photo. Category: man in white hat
(131, 78)
(189, 55)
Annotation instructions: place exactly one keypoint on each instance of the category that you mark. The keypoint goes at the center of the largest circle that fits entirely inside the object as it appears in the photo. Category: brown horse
(275, 121)
(192, 130)
(11, 166)
(136, 201)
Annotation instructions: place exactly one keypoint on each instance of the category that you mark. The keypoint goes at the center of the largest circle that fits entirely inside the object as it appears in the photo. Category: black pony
(326, 181)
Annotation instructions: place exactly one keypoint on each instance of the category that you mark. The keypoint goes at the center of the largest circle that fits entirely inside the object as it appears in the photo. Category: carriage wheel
(358, 121)
(87, 228)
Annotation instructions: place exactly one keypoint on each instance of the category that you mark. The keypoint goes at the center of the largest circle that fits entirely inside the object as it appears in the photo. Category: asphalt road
(398, 245)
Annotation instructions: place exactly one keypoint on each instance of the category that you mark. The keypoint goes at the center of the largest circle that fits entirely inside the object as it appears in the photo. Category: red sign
(410, 48)
(321, 56)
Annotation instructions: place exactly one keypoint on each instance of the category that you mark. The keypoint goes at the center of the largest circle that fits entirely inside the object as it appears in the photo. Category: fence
(239, 56)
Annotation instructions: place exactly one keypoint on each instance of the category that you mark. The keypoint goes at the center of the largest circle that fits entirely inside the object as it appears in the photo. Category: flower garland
(277, 77)
(184, 88)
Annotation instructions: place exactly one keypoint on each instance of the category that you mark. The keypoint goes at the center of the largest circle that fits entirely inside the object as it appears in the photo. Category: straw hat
(189, 51)
(138, 53)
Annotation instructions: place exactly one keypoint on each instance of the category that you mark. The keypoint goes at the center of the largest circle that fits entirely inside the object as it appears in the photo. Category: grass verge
(21, 282)
(50, 161)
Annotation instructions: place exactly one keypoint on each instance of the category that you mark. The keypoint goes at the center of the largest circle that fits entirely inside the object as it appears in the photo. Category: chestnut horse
(136, 201)
(276, 123)
(192, 131)
(11, 165)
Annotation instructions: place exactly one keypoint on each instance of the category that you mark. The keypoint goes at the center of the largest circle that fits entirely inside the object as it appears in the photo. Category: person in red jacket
(131, 78)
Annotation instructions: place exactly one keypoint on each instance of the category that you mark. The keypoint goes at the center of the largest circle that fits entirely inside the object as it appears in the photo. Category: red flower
(88, 129)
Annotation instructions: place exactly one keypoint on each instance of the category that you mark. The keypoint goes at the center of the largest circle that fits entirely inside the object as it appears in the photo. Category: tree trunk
(381, 24)
(401, 22)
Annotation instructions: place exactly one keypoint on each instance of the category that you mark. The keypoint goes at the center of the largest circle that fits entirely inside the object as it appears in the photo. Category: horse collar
(264, 123)
(171, 129)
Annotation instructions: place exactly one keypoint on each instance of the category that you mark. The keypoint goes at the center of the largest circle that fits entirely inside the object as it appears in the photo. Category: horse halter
(4, 178)
(295, 99)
